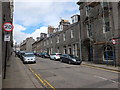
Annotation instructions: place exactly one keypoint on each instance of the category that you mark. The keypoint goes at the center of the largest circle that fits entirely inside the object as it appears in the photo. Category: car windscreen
(72, 56)
(29, 55)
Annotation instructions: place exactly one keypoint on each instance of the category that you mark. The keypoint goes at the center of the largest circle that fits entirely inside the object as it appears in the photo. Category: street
(55, 74)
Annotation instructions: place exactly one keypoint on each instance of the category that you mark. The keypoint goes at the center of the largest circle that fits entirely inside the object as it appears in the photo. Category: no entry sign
(8, 26)
(114, 41)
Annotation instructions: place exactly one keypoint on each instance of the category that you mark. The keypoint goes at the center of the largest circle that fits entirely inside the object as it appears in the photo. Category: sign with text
(8, 26)
(7, 37)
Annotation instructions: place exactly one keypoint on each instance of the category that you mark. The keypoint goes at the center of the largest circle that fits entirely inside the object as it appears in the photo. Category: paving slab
(18, 76)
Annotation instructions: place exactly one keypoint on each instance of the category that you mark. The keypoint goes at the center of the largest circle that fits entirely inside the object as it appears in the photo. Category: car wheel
(61, 60)
(54, 59)
(69, 62)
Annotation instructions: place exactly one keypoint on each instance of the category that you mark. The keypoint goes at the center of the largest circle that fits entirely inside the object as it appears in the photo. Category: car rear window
(58, 54)
(29, 55)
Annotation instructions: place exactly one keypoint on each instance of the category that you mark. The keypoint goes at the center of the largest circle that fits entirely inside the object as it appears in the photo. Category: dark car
(21, 54)
(39, 54)
(45, 55)
(71, 59)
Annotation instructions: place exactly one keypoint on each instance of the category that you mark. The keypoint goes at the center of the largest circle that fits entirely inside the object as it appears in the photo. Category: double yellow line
(110, 70)
(43, 81)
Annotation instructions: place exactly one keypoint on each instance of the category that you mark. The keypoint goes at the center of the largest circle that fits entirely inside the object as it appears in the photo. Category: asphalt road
(55, 74)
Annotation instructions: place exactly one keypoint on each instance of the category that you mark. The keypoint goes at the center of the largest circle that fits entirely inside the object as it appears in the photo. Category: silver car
(29, 58)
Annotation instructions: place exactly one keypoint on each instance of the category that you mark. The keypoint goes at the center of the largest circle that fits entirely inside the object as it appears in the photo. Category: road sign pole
(5, 59)
(8, 27)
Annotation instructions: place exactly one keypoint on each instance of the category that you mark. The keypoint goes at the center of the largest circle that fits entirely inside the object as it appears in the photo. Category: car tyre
(61, 60)
(54, 59)
(69, 62)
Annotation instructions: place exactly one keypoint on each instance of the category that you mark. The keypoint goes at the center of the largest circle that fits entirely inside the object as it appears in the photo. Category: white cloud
(30, 14)
(37, 32)
(19, 36)
(43, 12)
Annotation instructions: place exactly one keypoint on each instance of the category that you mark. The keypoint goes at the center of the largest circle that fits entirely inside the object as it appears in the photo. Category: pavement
(0, 81)
(18, 76)
(102, 66)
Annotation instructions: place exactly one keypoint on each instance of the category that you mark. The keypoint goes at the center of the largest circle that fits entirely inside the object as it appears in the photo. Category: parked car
(55, 56)
(39, 54)
(44, 55)
(21, 54)
(16, 52)
(36, 54)
(29, 58)
(71, 59)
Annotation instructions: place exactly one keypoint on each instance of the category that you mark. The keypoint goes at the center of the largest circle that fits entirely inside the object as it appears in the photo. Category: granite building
(26, 45)
(65, 40)
(99, 27)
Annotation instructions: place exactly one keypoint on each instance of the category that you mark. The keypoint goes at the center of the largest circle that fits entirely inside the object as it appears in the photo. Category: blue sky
(33, 17)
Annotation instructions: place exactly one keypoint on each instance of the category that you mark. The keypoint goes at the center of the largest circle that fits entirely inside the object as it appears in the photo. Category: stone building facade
(65, 40)
(6, 15)
(26, 45)
(99, 26)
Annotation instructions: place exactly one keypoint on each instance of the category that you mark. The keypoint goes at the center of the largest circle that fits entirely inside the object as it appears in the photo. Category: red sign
(114, 41)
(8, 26)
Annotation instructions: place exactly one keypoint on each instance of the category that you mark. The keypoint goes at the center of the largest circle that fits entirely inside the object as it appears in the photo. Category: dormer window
(75, 18)
(61, 27)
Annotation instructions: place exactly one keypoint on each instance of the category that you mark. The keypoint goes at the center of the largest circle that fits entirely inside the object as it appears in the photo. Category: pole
(114, 56)
(5, 60)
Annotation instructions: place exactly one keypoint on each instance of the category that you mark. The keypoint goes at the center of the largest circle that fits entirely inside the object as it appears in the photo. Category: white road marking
(106, 79)
(101, 77)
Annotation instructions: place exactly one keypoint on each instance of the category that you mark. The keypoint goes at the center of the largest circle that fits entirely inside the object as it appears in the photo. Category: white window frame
(108, 59)
(58, 39)
(44, 43)
(61, 27)
(51, 40)
(47, 42)
(73, 49)
(72, 34)
(64, 37)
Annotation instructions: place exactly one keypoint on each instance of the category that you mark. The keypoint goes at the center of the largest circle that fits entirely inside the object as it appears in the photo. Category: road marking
(101, 77)
(28, 75)
(101, 68)
(44, 82)
(49, 84)
(107, 79)
(40, 80)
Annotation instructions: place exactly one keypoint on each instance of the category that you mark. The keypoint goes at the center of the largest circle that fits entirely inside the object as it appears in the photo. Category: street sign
(113, 41)
(7, 37)
(8, 26)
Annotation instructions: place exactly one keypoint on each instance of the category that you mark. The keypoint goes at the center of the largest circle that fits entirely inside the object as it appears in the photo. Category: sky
(31, 17)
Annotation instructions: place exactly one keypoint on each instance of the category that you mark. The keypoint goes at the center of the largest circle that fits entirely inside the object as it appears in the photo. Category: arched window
(108, 53)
